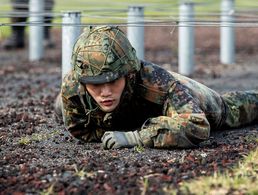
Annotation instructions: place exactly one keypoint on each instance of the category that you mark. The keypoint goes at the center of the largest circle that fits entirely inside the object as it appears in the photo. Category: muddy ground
(38, 156)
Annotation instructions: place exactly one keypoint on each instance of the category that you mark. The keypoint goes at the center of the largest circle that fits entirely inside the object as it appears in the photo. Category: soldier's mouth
(107, 102)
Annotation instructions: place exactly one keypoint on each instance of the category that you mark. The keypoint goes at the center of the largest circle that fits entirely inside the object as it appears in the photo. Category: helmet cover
(103, 54)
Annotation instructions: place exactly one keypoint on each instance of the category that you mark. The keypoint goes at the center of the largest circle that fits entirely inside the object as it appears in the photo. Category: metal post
(186, 39)
(70, 32)
(36, 9)
(135, 29)
(227, 36)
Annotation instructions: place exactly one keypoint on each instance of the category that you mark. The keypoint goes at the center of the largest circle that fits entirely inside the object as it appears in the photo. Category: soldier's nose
(105, 90)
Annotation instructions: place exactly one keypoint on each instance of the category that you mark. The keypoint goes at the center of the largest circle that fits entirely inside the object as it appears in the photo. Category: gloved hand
(118, 139)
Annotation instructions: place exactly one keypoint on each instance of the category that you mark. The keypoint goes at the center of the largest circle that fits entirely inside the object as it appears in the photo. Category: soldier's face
(107, 95)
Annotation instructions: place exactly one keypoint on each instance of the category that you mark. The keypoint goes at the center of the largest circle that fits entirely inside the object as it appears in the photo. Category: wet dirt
(38, 155)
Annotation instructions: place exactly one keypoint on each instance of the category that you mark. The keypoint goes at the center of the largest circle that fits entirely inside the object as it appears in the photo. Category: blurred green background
(115, 11)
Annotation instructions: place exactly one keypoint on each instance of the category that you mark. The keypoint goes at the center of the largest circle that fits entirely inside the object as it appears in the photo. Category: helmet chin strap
(82, 92)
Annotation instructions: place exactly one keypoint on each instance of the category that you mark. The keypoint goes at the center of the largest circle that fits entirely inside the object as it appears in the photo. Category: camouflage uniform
(168, 109)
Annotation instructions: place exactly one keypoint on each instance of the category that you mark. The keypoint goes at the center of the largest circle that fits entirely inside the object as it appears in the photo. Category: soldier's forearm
(175, 132)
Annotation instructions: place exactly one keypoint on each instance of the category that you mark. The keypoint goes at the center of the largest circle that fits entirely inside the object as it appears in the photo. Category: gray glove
(118, 139)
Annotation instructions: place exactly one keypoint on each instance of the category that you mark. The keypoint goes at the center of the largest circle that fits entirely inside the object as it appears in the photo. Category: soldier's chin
(108, 108)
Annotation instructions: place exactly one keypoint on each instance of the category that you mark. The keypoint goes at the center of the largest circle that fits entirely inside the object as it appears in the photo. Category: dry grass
(242, 180)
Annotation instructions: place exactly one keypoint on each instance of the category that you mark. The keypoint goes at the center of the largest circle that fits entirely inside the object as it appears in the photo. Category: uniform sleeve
(183, 124)
(77, 122)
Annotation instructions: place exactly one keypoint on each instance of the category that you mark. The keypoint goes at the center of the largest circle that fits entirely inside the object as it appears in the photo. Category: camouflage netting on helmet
(103, 54)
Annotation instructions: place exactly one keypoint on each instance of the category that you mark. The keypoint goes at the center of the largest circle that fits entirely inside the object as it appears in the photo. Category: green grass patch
(4, 30)
(37, 137)
(242, 180)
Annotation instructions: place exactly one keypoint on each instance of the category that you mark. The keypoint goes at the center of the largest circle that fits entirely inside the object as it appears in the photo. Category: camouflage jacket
(168, 109)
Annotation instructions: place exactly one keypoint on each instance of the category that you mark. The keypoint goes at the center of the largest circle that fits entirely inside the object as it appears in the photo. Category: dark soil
(38, 155)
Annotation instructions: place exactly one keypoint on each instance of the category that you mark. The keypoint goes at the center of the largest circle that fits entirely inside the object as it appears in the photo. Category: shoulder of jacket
(154, 82)
(70, 85)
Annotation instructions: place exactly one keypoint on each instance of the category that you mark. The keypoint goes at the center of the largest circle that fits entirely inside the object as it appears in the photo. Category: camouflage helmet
(103, 54)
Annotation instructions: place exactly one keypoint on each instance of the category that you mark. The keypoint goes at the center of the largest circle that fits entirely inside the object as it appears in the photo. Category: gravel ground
(38, 156)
